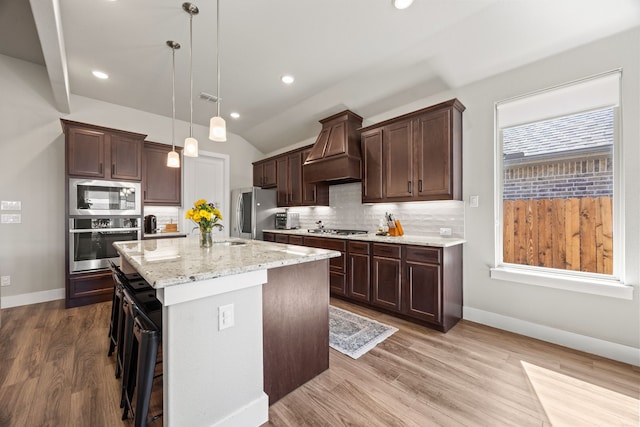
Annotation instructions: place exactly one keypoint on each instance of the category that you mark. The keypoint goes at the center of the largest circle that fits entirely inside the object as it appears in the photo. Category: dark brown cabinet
(337, 266)
(415, 157)
(289, 180)
(102, 153)
(386, 276)
(89, 288)
(264, 173)
(161, 184)
(269, 237)
(359, 283)
(422, 284)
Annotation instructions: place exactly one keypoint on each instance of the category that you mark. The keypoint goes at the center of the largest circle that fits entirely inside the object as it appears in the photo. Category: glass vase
(206, 240)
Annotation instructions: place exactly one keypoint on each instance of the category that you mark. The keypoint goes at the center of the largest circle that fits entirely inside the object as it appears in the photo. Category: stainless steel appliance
(90, 241)
(252, 210)
(104, 198)
(287, 220)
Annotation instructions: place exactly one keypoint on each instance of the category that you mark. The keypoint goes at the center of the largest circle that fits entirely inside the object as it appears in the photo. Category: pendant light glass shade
(190, 147)
(217, 129)
(173, 159)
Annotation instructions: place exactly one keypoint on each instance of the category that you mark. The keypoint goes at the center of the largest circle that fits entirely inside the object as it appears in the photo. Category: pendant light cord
(173, 101)
(191, 73)
(218, 51)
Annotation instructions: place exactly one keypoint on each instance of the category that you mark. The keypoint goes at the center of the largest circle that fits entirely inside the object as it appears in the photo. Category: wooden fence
(569, 234)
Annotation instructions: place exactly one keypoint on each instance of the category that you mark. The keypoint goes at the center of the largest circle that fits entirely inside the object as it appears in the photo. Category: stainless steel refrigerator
(252, 210)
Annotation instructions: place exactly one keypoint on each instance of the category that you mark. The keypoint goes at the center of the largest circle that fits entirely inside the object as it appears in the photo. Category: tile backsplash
(418, 218)
(165, 215)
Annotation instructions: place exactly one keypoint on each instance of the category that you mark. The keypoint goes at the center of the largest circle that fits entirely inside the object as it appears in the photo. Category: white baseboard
(31, 298)
(255, 413)
(610, 350)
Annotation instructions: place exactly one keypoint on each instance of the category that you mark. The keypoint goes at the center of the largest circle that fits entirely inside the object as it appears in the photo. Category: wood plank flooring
(54, 371)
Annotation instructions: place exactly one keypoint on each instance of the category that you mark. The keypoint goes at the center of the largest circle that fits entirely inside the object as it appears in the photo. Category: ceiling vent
(335, 156)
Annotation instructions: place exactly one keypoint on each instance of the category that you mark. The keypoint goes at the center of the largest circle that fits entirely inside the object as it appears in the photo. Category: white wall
(574, 319)
(32, 170)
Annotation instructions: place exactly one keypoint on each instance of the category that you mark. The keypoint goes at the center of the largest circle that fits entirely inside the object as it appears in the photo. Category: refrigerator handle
(239, 215)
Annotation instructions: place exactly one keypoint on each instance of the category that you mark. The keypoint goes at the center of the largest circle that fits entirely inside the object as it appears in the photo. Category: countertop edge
(434, 241)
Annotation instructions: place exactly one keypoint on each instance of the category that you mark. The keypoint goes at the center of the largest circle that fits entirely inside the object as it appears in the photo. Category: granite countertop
(436, 241)
(166, 262)
(164, 234)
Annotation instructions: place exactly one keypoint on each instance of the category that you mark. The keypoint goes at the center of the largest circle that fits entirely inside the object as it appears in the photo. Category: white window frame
(587, 94)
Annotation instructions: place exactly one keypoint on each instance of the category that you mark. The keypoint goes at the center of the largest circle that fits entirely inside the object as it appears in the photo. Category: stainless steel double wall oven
(100, 213)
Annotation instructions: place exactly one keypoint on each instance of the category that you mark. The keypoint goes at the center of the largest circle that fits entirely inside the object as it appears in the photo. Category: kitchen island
(244, 323)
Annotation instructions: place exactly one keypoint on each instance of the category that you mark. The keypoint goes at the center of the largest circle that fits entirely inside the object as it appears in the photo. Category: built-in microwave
(104, 198)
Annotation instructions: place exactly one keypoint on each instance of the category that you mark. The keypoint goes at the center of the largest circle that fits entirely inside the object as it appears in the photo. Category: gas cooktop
(339, 231)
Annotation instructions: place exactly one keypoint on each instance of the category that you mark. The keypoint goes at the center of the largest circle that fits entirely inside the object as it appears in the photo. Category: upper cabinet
(290, 180)
(102, 153)
(161, 184)
(415, 157)
(264, 173)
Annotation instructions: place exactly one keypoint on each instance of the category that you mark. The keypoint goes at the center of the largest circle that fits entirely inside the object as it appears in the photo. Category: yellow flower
(196, 216)
(200, 202)
(217, 213)
(189, 214)
(205, 214)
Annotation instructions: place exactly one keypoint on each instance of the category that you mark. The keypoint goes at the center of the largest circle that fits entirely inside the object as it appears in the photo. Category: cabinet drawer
(282, 238)
(269, 237)
(359, 248)
(295, 240)
(385, 250)
(83, 285)
(424, 255)
(326, 243)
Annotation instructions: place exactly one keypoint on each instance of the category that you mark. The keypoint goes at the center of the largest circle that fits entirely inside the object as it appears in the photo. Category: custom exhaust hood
(336, 157)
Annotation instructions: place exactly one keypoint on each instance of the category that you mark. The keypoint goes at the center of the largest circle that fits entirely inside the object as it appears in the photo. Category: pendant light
(190, 143)
(217, 126)
(173, 159)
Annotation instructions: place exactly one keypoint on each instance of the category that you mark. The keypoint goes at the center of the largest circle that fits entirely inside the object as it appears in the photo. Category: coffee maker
(150, 224)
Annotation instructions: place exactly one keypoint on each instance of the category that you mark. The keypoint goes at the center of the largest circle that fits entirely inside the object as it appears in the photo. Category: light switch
(11, 205)
(474, 201)
(11, 219)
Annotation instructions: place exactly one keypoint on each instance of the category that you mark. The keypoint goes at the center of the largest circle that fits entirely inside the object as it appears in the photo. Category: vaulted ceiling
(359, 54)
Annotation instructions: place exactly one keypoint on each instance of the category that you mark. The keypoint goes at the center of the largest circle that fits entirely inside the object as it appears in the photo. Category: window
(557, 183)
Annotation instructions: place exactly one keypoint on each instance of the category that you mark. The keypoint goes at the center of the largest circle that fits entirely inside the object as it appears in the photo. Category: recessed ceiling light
(402, 4)
(287, 79)
(234, 115)
(100, 74)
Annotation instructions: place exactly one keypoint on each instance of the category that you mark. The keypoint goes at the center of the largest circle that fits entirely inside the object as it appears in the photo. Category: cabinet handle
(410, 187)
(145, 194)
(100, 168)
(420, 185)
(408, 272)
(113, 169)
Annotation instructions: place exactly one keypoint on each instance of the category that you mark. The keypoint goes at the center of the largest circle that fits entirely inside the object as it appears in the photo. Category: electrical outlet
(11, 219)
(5, 281)
(10, 205)
(474, 201)
(445, 232)
(225, 317)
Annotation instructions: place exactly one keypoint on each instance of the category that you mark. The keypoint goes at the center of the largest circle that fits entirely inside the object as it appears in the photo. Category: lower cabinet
(359, 268)
(88, 288)
(418, 283)
(386, 276)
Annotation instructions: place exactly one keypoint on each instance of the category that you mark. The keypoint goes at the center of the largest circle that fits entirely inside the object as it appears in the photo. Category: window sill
(610, 288)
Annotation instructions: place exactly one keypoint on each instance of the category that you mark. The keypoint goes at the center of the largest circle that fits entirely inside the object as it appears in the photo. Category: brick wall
(592, 177)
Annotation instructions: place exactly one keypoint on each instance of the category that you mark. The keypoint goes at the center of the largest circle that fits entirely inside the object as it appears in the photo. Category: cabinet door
(85, 156)
(398, 162)
(282, 169)
(295, 179)
(359, 271)
(258, 177)
(313, 193)
(422, 292)
(282, 238)
(386, 283)
(433, 156)
(372, 179)
(269, 178)
(269, 237)
(126, 158)
(162, 184)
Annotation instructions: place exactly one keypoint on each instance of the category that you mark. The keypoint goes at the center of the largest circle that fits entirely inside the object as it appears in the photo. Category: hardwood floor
(54, 371)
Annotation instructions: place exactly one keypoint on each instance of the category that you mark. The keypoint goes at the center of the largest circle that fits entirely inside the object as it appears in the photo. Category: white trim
(253, 414)
(611, 350)
(31, 298)
(567, 282)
